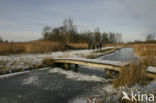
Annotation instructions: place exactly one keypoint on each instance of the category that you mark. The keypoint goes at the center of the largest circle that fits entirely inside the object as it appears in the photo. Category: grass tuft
(130, 75)
(47, 62)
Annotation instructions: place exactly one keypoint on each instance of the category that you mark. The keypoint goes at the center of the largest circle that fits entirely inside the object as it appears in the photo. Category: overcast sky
(23, 20)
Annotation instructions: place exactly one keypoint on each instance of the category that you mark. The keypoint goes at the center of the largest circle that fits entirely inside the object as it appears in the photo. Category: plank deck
(97, 64)
(89, 63)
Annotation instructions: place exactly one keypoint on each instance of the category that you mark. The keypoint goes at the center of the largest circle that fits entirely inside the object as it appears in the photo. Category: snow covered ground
(24, 61)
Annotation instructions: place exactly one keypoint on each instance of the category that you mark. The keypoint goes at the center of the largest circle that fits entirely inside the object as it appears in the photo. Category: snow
(25, 61)
(151, 69)
(78, 100)
(110, 94)
(30, 80)
(77, 76)
(13, 74)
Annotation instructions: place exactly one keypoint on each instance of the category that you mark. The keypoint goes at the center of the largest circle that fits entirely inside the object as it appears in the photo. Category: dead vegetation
(102, 52)
(79, 45)
(147, 53)
(131, 75)
(28, 47)
(136, 73)
(47, 62)
(39, 46)
(145, 49)
(108, 50)
(92, 55)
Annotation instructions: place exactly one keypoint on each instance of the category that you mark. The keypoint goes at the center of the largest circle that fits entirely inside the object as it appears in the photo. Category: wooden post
(66, 66)
(87, 99)
(116, 74)
(108, 73)
(76, 67)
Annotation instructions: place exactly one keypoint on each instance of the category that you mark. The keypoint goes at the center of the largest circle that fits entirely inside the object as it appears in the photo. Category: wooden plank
(97, 65)
(151, 75)
(88, 63)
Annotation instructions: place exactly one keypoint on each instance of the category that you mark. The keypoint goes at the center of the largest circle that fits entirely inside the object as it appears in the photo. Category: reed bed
(79, 45)
(136, 73)
(145, 49)
(39, 46)
(131, 75)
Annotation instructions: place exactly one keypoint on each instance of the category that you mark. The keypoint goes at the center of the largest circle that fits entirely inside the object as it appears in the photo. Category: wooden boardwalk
(97, 64)
(90, 63)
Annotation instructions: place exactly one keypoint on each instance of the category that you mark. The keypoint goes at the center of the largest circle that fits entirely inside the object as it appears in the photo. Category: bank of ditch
(23, 62)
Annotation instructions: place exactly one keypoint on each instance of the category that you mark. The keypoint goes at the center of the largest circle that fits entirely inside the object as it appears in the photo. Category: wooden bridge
(109, 66)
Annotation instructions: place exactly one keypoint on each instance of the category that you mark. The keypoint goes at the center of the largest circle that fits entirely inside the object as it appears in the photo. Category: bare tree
(105, 37)
(97, 35)
(67, 33)
(112, 38)
(1, 40)
(118, 38)
(45, 32)
(149, 37)
(69, 28)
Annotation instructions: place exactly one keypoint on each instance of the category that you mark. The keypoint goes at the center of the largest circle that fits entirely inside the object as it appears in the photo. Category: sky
(23, 20)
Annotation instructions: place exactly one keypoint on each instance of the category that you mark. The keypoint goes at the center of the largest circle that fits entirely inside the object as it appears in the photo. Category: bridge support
(76, 67)
(108, 73)
(67, 66)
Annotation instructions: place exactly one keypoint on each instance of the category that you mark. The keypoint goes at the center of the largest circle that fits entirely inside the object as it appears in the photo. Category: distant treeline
(150, 39)
(1, 40)
(67, 33)
(143, 42)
